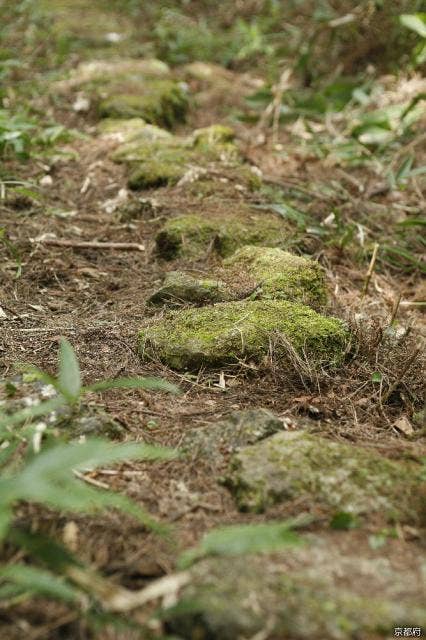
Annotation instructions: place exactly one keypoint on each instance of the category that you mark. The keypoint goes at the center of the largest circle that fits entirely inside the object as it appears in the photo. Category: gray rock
(299, 596)
(326, 474)
(240, 429)
(180, 288)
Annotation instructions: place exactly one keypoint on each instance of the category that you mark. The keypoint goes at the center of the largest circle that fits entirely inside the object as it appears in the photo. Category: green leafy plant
(12, 250)
(245, 539)
(416, 22)
(15, 133)
(51, 475)
(21, 134)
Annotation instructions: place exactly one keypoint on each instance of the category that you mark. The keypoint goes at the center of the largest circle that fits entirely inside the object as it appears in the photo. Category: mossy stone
(192, 235)
(239, 429)
(102, 72)
(128, 130)
(331, 475)
(228, 332)
(282, 275)
(300, 596)
(180, 288)
(157, 158)
(158, 101)
(213, 135)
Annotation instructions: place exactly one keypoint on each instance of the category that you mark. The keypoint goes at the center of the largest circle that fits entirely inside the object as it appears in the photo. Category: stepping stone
(193, 235)
(130, 131)
(101, 71)
(324, 474)
(131, 89)
(158, 101)
(238, 430)
(228, 332)
(157, 158)
(312, 592)
(180, 288)
(281, 275)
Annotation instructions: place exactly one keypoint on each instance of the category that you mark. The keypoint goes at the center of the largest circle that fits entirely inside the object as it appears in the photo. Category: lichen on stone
(334, 476)
(282, 275)
(192, 235)
(180, 288)
(229, 332)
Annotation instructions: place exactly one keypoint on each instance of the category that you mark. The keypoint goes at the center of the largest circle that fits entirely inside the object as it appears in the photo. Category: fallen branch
(76, 244)
(118, 599)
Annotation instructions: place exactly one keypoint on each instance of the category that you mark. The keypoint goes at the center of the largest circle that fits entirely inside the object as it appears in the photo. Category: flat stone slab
(238, 430)
(281, 275)
(311, 593)
(229, 332)
(329, 475)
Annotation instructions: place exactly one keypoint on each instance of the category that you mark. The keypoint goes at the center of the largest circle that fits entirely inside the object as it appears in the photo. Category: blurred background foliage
(316, 35)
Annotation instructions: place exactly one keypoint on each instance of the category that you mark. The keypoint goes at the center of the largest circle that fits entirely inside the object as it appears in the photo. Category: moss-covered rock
(238, 430)
(158, 101)
(125, 131)
(157, 158)
(301, 596)
(326, 474)
(215, 134)
(100, 72)
(131, 89)
(192, 235)
(162, 166)
(231, 331)
(134, 133)
(282, 275)
(180, 288)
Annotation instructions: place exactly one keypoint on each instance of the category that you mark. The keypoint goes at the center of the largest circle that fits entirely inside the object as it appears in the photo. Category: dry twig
(92, 244)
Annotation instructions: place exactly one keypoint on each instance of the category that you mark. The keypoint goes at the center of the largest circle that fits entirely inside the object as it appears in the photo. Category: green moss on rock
(229, 332)
(157, 158)
(192, 235)
(236, 598)
(102, 72)
(161, 165)
(158, 101)
(331, 475)
(282, 275)
(215, 134)
(126, 131)
(180, 288)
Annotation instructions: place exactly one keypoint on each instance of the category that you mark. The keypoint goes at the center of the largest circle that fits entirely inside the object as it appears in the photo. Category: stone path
(259, 299)
(257, 302)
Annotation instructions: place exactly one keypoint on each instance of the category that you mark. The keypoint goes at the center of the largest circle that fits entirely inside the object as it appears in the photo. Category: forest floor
(97, 298)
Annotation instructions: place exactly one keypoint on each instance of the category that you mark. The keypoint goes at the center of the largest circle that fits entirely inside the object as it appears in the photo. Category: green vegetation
(46, 472)
(279, 150)
(281, 275)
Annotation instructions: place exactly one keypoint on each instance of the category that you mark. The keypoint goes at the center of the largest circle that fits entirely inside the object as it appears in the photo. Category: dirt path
(99, 299)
